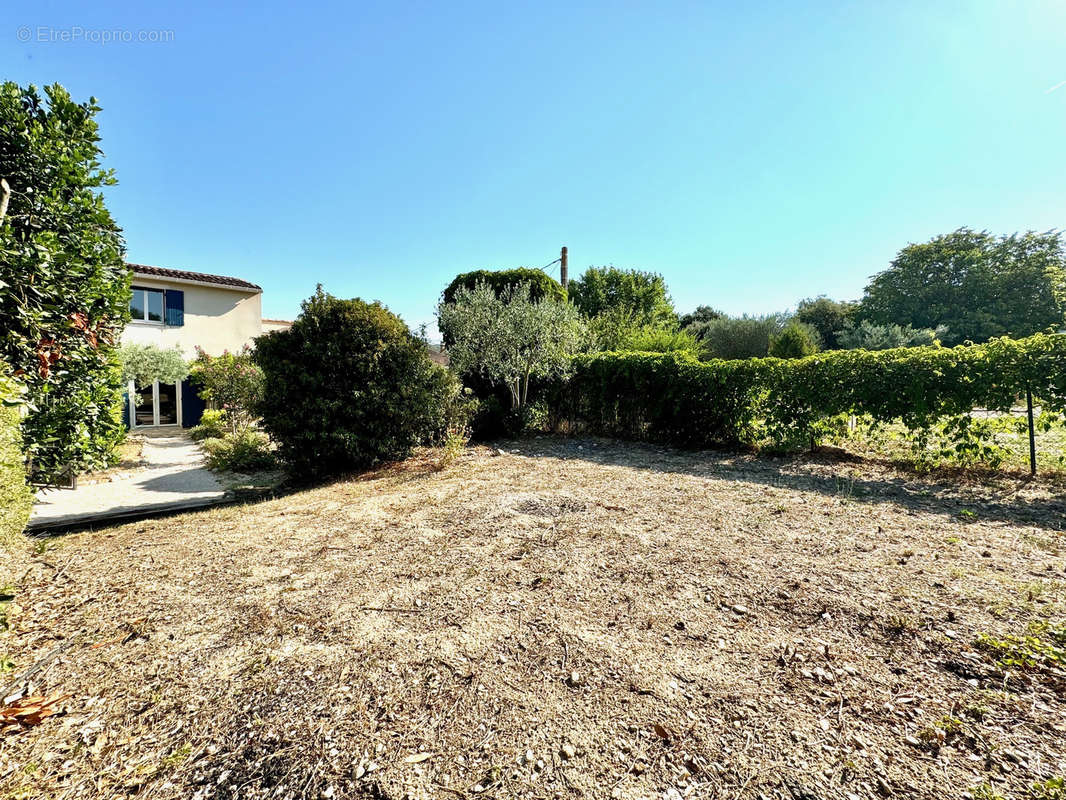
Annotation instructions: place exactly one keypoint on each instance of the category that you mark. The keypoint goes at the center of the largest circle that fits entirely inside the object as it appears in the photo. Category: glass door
(167, 404)
(144, 405)
(155, 404)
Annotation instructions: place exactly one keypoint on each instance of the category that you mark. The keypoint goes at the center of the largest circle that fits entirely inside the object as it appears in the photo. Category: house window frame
(144, 297)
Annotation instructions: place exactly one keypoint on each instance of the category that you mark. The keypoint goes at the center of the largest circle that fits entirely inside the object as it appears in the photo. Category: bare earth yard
(582, 619)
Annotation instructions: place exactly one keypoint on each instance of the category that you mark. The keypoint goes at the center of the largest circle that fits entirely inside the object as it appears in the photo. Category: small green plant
(985, 792)
(1051, 789)
(213, 425)
(247, 451)
(454, 444)
(967, 515)
(1041, 649)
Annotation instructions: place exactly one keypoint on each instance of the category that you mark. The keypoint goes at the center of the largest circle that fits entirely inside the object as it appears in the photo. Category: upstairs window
(146, 305)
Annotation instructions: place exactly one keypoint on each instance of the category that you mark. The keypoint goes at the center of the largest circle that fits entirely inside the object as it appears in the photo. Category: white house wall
(216, 319)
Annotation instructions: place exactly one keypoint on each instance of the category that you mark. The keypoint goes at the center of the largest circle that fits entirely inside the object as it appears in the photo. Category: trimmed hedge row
(673, 397)
(15, 495)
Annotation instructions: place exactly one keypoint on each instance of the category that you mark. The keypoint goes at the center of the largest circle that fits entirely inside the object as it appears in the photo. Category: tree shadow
(830, 472)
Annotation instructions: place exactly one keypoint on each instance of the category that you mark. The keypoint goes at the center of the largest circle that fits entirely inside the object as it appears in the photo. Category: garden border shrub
(674, 398)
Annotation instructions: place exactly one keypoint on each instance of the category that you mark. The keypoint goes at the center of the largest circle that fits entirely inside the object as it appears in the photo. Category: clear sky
(754, 154)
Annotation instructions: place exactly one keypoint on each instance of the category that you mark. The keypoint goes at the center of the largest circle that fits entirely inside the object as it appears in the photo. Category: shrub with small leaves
(212, 425)
(245, 451)
(350, 386)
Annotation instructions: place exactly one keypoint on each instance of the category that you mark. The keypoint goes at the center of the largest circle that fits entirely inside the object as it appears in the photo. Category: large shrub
(64, 286)
(15, 495)
(231, 382)
(349, 386)
(768, 401)
(795, 340)
(737, 337)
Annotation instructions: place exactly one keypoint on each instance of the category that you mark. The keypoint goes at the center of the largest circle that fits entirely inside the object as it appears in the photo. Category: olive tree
(509, 337)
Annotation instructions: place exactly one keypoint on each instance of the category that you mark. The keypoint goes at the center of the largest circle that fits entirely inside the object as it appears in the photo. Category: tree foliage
(977, 285)
(145, 363)
(16, 498)
(350, 386)
(738, 337)
(64, 286)
(541, 286)
(509, 338)
(642, 296)
(795, 340)
(827, 317)
(231, 382)
(700, 315)
(868, 336)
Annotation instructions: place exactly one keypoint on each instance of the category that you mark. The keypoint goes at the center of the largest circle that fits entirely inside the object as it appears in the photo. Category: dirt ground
(565, 618)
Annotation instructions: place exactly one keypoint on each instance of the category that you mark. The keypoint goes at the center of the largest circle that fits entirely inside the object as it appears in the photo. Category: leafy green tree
(144, 363)
(827, 317)
(64, 286)
(232, 382)
(700, 315)
(977, 285)
(350, 386)
(541, 285)
(511, 337)
(795, 340)
(641, 295)
(868, 336)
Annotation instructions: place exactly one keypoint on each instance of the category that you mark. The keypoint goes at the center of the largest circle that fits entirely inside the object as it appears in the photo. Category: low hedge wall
(675, 398)
(15, 495)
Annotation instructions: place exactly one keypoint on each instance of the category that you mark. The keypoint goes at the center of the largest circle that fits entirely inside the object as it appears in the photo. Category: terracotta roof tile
(180, 274)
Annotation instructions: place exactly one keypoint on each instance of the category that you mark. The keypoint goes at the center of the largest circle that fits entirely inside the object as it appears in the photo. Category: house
(175, 308)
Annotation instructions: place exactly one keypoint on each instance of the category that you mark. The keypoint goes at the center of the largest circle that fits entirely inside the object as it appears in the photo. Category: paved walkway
(175, 478)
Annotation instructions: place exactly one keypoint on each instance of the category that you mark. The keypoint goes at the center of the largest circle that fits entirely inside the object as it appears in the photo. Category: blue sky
(753, 154)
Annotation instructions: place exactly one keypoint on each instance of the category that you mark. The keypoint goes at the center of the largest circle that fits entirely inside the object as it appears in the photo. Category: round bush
(347, 386)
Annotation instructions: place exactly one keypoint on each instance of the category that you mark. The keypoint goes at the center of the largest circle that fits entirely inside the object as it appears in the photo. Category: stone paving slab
(174, 479)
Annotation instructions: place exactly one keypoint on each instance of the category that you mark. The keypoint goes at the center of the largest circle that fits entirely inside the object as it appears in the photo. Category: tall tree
(827, 317)
(64, 286)
(641, 296)
(976, 284)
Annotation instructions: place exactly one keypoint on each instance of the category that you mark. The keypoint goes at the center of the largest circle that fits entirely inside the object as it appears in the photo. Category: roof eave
(148, 276)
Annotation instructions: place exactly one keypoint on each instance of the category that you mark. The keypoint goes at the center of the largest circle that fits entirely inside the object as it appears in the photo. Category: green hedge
(15, 495)
(672, 397)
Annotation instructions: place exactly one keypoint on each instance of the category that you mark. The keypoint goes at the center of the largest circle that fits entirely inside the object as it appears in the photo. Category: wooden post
(1032, 430)
(5, 195)
(564, 273)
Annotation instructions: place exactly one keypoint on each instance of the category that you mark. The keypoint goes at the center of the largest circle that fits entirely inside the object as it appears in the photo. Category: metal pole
(564, 274)
(1032, 430)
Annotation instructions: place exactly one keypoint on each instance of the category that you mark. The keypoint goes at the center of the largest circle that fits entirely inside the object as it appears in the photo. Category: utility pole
(564, 275)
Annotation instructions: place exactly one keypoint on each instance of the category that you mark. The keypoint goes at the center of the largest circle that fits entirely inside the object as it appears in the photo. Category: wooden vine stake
(1032, 430)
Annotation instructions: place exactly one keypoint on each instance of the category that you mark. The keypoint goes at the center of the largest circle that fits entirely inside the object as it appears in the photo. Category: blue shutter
(174, 301)
(126, 410)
